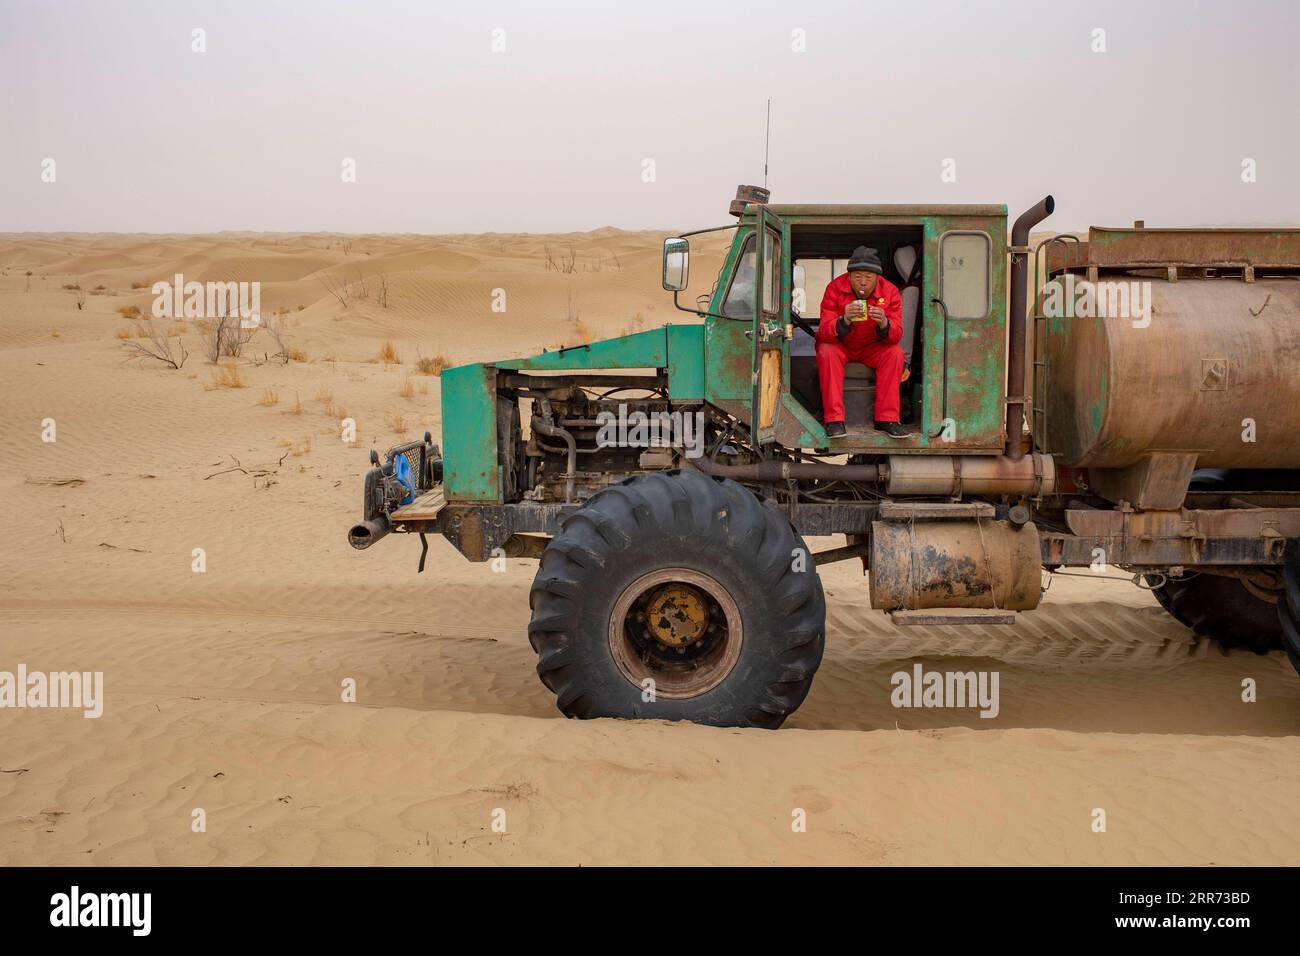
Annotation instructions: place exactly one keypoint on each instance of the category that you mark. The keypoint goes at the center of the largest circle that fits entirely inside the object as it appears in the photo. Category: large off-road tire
(1288, 606)
(1222, 609)
(677, 596)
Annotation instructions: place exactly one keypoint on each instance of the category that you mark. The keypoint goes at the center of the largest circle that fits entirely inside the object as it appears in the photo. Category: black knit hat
(866, 260)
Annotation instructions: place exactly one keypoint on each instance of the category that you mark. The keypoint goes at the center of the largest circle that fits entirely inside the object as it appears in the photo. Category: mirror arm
(699, 232)
(701, 314)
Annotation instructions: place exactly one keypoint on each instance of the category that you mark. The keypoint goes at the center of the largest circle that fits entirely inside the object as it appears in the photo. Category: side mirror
(677, 264)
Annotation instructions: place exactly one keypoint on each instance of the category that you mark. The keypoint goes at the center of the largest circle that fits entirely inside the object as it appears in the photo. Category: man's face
(863, 282)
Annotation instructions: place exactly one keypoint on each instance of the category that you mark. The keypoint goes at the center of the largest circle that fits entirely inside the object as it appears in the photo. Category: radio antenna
(767, 140)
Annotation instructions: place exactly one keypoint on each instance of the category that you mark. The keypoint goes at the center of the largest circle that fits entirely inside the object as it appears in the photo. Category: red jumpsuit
(866, 343)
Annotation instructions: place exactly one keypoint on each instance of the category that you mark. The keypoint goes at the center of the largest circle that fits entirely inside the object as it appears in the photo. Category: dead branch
(155, 345)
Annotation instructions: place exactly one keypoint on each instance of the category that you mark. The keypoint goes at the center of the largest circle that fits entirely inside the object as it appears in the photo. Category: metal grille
(413, 452)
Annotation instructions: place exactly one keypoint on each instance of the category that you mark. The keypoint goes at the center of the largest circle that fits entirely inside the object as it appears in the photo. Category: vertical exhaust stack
(1019, 323)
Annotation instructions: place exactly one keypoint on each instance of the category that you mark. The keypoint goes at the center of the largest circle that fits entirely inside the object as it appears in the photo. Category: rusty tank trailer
(1126, 402)
(1190, 377)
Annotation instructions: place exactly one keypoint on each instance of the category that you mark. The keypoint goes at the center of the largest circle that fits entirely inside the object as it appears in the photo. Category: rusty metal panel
(934, 510)
(1110, 248)
(1238, 536)
(1158, 481)
(1227, 523)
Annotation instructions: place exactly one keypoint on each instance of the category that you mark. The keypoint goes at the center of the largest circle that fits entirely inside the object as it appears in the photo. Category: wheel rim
(677, 627)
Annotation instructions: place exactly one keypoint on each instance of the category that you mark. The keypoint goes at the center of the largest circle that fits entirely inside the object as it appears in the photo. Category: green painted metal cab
(733, 357)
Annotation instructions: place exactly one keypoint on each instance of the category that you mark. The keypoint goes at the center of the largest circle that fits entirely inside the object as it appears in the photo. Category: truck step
(423, 508)
(952, 615)
(908, 510)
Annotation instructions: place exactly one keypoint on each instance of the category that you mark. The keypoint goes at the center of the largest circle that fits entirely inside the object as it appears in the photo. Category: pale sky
(553, 133)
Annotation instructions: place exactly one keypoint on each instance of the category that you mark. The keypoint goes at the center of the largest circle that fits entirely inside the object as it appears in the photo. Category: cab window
(964, 269)
(739, 303)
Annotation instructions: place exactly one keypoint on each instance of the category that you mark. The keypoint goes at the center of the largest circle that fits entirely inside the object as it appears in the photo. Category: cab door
(769, 327)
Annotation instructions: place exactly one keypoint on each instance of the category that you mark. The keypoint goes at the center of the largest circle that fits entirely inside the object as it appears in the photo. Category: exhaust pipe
(951, 475)
(363, 535)
(543, 427)
(1016, 315)
(784, 470)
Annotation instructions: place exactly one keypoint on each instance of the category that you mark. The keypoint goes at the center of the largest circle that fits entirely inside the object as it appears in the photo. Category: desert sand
(223, 688)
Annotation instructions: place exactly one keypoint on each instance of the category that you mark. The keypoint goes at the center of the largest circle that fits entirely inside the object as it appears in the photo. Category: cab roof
(884, 210)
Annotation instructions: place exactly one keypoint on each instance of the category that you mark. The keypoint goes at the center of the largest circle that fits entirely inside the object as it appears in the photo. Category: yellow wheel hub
(676, 615)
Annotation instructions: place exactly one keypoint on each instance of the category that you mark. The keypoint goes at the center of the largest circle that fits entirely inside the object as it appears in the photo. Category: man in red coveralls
(852, 332)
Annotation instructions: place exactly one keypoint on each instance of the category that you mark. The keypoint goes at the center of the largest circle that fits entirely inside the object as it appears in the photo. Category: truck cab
(954, 294)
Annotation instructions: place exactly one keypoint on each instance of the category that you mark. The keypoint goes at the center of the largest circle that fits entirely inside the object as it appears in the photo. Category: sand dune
(223, 688)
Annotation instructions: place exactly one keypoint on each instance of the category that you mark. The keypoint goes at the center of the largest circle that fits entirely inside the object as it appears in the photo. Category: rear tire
(1288, 606)
(685, 581)
(1222, 609)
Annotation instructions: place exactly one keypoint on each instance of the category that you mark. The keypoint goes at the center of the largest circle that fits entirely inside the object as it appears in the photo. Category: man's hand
(878, 315)
(854, 310)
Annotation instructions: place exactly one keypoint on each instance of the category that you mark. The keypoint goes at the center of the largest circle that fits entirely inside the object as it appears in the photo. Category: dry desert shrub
(336, 287)
(227, 375)
(388, 354)
(360, 289)
(149, 341)
(564, 262)
(296, 448)
(269, 397)
(297, 355)
(276, 328)
(223, 337)
(129, 311)
(324, 395)
(407, 388)
(335, 411)
(72, 286)
(140, 285)
(296, 408)
(124, 334)
(432, 364)
(397, 423)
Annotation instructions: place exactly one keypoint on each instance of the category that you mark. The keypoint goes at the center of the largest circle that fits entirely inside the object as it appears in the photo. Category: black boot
(835, 430)
(893, 429)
